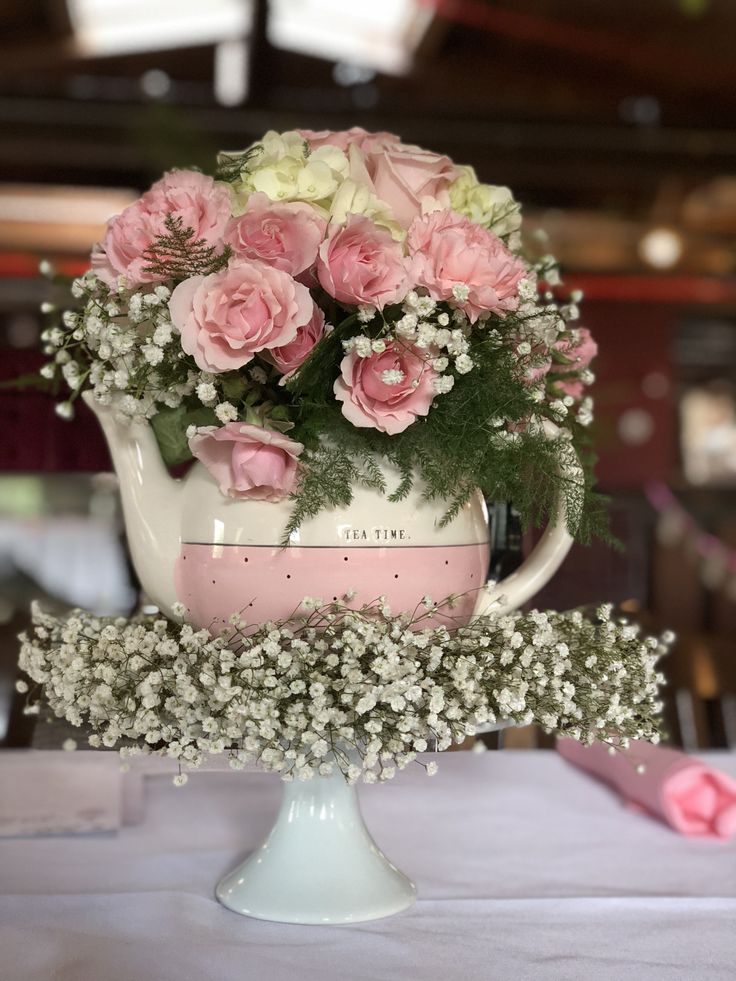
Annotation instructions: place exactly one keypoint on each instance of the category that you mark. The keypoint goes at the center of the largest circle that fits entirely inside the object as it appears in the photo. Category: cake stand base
(319, 863)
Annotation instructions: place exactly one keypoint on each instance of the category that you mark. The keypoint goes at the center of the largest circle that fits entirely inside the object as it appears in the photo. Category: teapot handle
(539, 567)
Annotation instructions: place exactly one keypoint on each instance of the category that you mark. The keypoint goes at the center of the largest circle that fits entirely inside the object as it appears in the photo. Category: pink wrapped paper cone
(690, 796)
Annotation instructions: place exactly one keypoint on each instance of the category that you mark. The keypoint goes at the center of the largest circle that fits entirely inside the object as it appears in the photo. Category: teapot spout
(151, 501)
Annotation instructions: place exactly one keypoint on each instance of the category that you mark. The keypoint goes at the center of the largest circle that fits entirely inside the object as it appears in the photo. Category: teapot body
(220, 556)
(231, 560)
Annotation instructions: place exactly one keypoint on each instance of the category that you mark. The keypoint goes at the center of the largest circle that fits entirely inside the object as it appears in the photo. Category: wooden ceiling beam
(637, 56)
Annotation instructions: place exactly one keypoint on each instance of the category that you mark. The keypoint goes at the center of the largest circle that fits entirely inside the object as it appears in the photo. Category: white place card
(54, 793)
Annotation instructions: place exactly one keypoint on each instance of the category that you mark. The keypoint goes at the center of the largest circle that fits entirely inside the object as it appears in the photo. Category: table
(526, 869)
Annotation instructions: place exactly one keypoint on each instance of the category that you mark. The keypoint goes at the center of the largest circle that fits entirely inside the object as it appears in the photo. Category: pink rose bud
(368, 401)
(285, 236)
(227, 317)
(579, 353)
(202, 205)
(579, 350)
(248, 461)
(450, 251)
(360, 263)
(543, 363)
(292, 356)
(538, 372)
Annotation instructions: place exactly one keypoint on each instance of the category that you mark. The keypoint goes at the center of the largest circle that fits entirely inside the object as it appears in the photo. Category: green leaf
(170, 427)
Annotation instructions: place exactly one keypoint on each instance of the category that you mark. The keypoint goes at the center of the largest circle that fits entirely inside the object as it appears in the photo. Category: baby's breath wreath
(360, 691)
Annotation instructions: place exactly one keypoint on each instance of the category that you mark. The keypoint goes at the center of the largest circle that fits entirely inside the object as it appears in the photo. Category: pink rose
(361, 263)
(227, 317)
(248, 461)
(286, 236)
(406, 178)
(579, 352)
(293, 355)
(342, 139)
(369, 402)
(201, 203)
(448, 250)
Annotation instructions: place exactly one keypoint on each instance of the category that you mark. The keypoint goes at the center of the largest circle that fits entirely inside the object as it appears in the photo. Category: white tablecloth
(526, 869)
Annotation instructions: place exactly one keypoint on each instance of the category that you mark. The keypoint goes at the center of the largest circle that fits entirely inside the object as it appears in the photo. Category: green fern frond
(231, 164)
(178, 255)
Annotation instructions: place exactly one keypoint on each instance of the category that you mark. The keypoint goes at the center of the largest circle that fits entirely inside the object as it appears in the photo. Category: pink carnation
(369, 402)
(448, 250)
(286, 236)
(293, 355)
(361, 263)
(226, 318)
(579, 354)
(201, 203)
(248, 461)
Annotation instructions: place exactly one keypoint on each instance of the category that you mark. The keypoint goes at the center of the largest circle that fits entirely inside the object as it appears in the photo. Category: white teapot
(218, 555)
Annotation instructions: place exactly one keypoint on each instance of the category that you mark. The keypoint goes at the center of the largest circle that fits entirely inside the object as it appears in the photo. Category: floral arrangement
(360, 690)
(327, 299)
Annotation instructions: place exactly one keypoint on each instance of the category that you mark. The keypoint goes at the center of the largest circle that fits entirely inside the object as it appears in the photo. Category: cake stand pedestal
(319, 863)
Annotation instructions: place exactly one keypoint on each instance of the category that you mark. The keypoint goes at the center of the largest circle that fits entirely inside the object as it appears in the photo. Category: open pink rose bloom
(362, 264)
(286, 236)
(225, 319)
(368, 401)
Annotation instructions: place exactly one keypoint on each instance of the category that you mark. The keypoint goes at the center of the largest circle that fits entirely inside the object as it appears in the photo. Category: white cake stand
(319, 863)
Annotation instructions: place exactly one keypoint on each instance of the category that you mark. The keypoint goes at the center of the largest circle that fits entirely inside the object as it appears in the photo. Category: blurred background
(614, 124)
